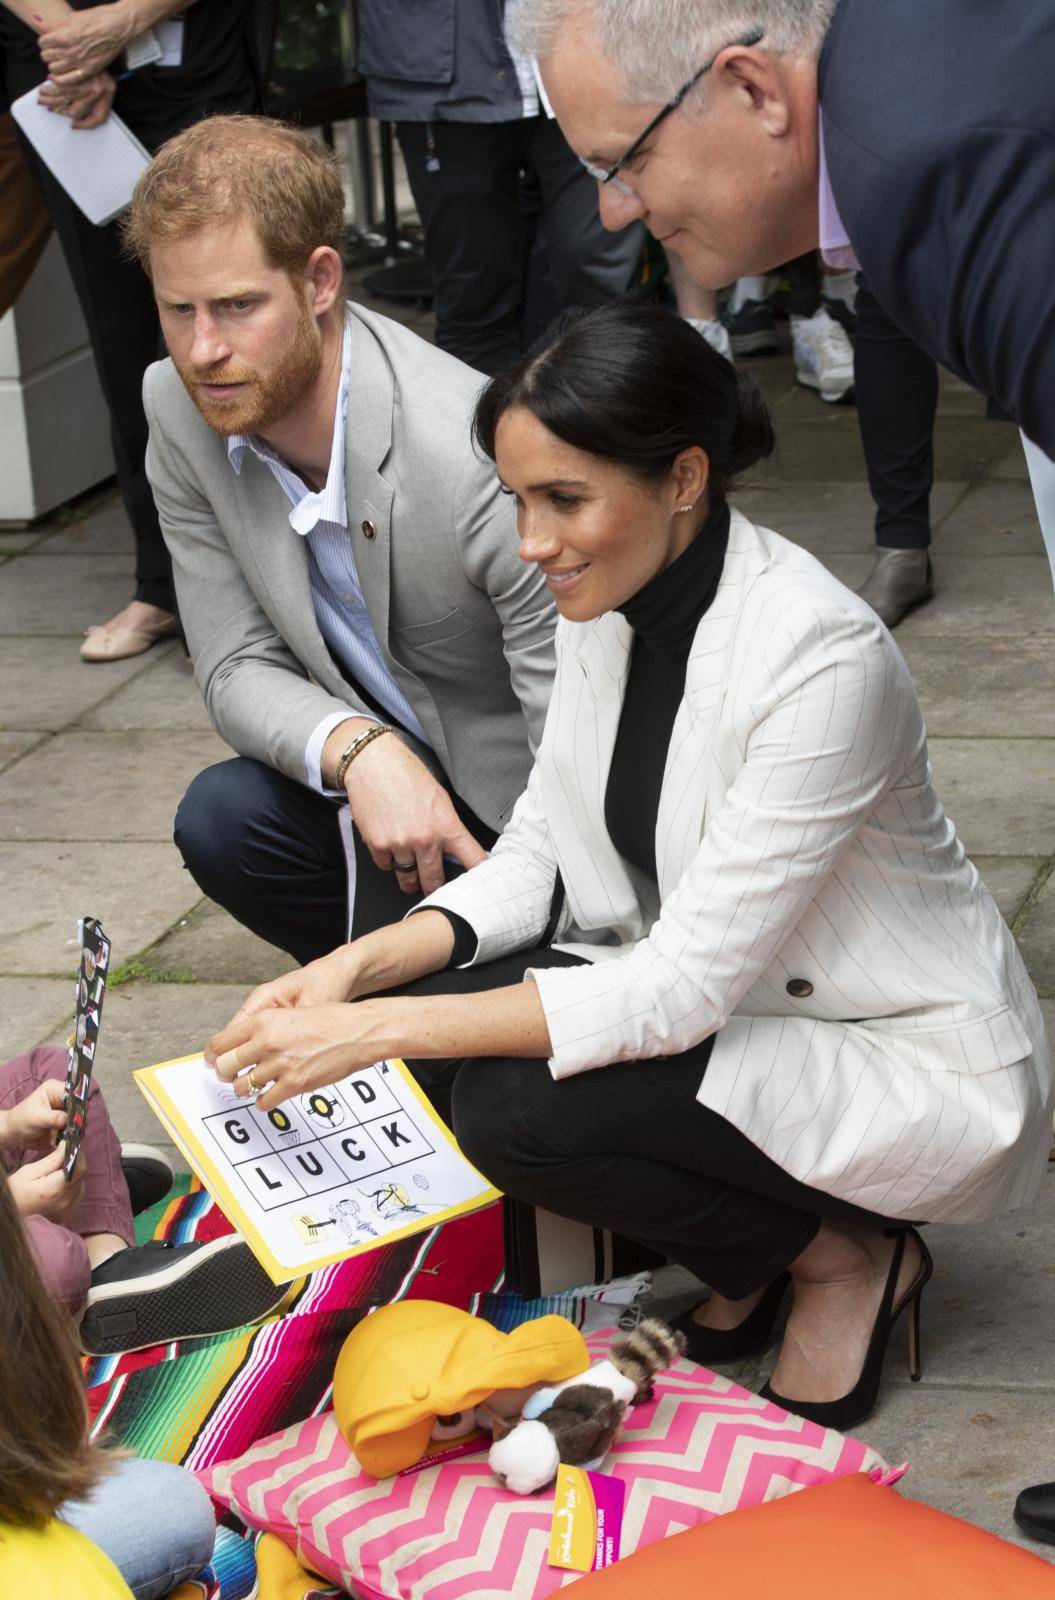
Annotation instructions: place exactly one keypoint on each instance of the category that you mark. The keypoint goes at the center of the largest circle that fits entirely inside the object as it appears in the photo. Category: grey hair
(654, 44)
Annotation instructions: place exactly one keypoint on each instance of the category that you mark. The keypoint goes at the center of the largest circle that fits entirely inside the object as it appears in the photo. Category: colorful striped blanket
(209, 1400)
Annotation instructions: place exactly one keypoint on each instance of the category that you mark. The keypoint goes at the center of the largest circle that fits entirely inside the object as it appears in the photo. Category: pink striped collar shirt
(836, 248)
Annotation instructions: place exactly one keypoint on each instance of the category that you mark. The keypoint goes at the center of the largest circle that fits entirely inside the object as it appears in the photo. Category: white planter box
(54, 425)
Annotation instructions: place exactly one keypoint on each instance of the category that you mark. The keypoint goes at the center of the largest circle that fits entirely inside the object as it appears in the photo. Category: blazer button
(799, 988)
(369, 531)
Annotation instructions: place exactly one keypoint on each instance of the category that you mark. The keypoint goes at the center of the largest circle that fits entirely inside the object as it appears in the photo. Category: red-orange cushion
(851, 1539)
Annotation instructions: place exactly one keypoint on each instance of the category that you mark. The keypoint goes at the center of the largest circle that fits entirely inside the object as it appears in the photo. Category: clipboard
(329, 1174)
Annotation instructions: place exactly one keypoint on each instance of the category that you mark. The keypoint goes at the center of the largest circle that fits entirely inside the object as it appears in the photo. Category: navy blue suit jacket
(939, 131)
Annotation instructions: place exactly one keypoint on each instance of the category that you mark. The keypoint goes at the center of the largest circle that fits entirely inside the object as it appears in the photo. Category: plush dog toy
(412, 1374)
(576, 1421)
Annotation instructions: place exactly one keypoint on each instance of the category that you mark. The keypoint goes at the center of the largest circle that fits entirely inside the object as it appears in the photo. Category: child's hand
(34, 1122)
(40, 1190)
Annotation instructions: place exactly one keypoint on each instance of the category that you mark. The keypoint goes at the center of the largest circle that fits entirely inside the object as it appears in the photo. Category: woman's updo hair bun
(753, 438)
(635, 384)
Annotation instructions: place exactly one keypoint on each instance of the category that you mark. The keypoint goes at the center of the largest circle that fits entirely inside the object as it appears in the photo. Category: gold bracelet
(358, 744)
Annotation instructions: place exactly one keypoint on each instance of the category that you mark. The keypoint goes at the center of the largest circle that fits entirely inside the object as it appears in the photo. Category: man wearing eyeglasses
(914, 140)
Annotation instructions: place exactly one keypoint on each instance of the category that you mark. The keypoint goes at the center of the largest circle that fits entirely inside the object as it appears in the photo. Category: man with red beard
(361, 626)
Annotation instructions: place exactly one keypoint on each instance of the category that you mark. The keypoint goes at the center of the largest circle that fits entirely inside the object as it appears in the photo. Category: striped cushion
(701, 1447)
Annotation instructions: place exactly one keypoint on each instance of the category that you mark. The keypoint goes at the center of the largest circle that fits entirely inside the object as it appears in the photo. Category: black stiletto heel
(710, 1345)
(852, 1408)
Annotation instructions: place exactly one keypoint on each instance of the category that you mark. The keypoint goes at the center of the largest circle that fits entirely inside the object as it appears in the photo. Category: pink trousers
(59, 1248)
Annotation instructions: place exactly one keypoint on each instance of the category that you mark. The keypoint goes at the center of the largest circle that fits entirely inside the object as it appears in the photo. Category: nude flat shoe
(102, 643)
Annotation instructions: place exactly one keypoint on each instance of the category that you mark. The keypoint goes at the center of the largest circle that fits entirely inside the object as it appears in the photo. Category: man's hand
(87, 104)
(86, 42)
(40, 1190)
(35, 1121)
(406, 819)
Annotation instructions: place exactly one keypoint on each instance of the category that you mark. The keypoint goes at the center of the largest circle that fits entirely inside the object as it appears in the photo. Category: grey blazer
(465, 627)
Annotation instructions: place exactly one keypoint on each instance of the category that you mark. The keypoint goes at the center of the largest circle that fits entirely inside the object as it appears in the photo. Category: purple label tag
(587, 1520)
(462, 1447)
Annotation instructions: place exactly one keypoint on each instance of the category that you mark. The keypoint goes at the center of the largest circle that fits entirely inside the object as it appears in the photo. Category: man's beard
(267, 397)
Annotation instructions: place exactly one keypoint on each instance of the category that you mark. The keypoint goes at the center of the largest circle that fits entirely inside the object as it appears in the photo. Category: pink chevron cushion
(702, 1446)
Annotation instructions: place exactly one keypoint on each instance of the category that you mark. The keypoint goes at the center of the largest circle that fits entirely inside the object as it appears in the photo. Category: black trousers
(270, 851)
(896, 384)
(117, 302)
(628, 1147)
(500, 276)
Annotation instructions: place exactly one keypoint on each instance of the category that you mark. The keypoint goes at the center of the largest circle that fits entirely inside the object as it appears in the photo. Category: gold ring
(251, 1081)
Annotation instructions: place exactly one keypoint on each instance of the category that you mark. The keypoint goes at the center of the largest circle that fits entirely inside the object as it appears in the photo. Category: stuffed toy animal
(413, 1373)
(576, 1421)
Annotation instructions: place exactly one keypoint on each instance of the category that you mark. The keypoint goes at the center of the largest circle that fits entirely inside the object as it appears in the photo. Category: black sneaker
(149, 1175)
(155, 1293)
(752, 328)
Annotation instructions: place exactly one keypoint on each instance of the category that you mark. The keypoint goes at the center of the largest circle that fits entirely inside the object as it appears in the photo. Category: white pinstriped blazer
(877, 1033)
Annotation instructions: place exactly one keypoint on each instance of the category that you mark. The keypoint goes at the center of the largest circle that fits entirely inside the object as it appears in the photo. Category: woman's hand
(40, 1190)
(87, 42)
(294, 1050)
(35, 1121)
(87, 104)
(326, 981)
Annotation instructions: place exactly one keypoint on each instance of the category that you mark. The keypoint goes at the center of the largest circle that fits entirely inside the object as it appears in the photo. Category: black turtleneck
(664, 616)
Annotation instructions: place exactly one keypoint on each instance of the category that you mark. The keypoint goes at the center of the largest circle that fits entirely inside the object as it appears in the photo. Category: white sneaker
(824, 356)
(716, 334)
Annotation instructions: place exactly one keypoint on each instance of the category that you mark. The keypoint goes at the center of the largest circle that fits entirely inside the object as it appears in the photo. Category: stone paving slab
(980, 597)
(833, 517)
(47, 685)
(1012, 466)
(63, 595)
(100, 527)
(998, 792)
(1009, 879)
(15, 742)
(31, 1009)
(137, 890)
(15, 542)
(1037, 943)
(970, 1450)
(209, 946)
(988, 1310)
(978, 686)
(79, 785)
(993, 519)
(164, 697)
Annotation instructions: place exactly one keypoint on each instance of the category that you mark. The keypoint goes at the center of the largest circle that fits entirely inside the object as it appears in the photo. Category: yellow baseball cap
(409, 1363)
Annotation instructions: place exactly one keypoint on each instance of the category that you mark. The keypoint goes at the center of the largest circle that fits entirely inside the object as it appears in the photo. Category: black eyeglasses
(603, 176)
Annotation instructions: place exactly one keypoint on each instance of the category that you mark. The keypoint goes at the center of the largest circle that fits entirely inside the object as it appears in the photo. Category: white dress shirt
(321, 518)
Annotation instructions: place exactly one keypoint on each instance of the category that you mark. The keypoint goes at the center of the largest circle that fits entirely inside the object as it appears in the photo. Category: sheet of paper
(170, 38)
(97, 167)
(328, 1174)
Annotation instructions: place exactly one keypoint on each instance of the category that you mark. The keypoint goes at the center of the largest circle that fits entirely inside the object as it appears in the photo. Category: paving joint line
(1033, 894)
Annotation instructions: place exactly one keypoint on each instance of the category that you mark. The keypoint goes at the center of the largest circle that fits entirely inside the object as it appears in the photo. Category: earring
(686, 508)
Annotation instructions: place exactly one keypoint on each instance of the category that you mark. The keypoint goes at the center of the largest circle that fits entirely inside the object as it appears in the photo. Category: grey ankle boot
(899, 581)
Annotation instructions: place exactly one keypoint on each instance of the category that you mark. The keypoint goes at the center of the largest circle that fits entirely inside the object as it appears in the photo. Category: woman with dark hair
(811, 1023)
(76, 1519)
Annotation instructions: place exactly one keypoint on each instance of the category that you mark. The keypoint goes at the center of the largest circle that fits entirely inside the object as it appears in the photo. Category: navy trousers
(270, 851)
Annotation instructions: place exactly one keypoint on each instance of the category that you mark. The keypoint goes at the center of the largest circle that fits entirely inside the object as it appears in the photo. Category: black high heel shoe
(708, 1345)
(852, 1408)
